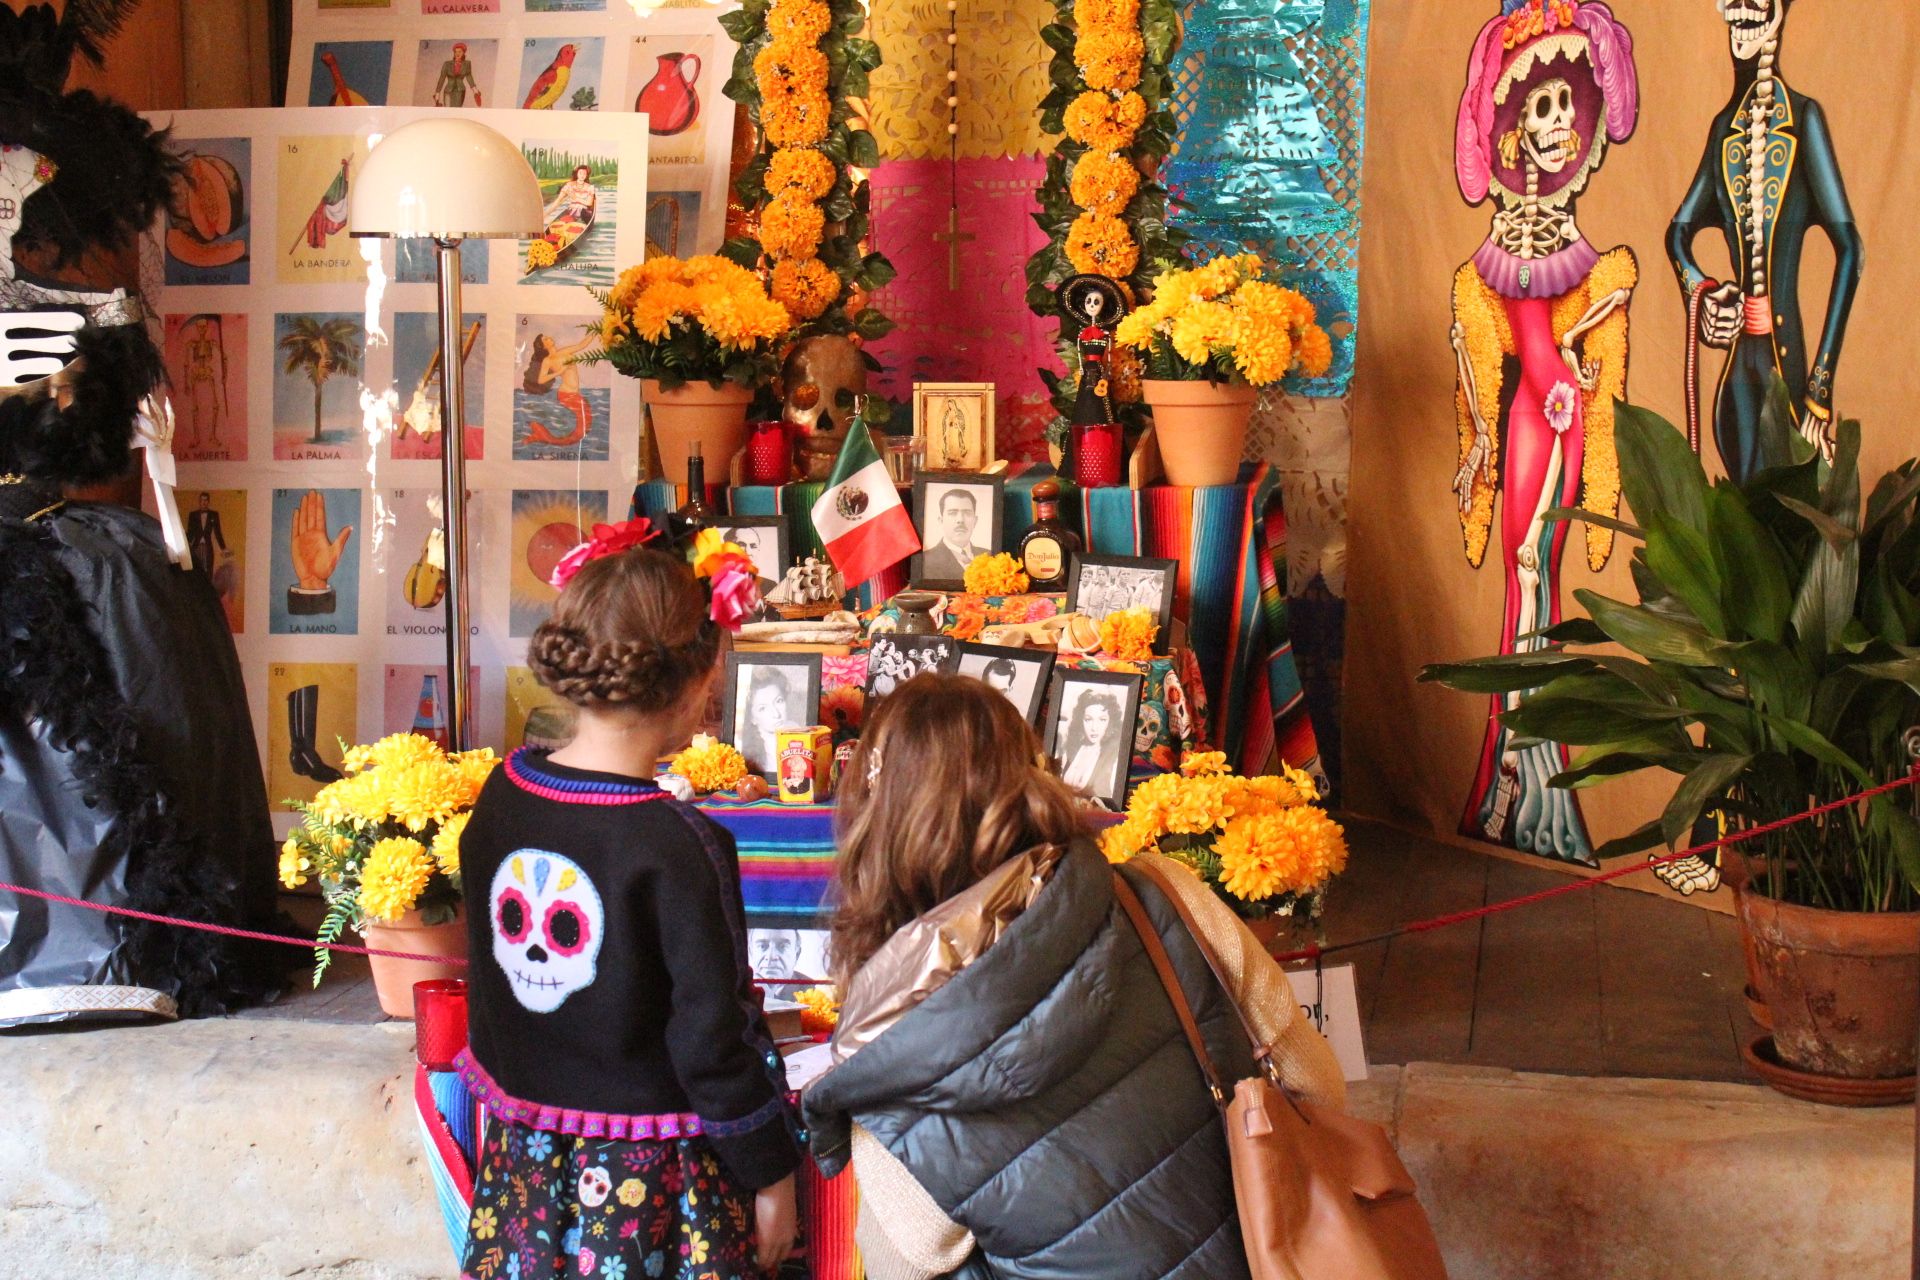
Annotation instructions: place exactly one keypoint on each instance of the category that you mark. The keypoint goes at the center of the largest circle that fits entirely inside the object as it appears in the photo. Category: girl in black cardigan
(640, 1125)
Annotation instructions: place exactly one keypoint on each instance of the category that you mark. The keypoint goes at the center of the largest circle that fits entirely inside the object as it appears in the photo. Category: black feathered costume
(129, 774)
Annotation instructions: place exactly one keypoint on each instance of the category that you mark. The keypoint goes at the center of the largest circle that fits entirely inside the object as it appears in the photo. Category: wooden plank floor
(1607, 981)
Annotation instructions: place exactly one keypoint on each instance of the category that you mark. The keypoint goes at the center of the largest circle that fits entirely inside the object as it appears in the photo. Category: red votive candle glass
(769, 454)
(439, 1021)
(1096, 455)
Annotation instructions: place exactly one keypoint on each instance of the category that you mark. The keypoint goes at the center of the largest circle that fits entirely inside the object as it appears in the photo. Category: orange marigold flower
(1088, 14)
(1110, 57)
(803, 169)
(789, 69)
(1129, 634)
(1104, 182)
(805, 287)
(1104, 122)
(995, 575)
(791, 227)
(1314, 351)
(1101, 245)
(802, 21)
(801, 120)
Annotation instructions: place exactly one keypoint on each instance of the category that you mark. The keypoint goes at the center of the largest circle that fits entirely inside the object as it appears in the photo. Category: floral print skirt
(548, 1205)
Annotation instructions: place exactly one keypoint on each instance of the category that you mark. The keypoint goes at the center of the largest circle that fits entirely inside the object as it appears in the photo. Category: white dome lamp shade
(448, 179)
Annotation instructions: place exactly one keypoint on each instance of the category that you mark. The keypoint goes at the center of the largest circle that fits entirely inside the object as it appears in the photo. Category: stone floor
(1602, 982)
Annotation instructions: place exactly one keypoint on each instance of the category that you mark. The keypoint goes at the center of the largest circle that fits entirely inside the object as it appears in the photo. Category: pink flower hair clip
(607, 540)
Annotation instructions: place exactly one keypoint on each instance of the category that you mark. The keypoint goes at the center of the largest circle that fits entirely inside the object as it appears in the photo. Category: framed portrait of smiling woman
(765, 693)
(1090, 731)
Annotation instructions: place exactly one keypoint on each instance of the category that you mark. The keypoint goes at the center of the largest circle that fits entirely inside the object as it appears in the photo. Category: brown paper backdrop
(1411, 749)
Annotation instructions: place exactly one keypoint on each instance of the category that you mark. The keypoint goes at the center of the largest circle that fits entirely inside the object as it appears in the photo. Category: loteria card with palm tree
(316, 385)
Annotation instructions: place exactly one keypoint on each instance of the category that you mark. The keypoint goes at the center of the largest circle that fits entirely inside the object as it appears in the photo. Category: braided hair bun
(629, 630)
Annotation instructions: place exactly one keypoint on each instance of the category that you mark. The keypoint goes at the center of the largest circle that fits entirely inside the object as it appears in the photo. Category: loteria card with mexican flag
(860, 517)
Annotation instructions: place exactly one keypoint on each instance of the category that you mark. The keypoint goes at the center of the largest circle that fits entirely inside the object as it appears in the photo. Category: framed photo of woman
(765, 693)
(1101, 585)
(1090, 730)
(1021, 674)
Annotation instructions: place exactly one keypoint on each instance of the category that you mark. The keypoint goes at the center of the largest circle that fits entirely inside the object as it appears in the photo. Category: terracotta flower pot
(1839, 985)
(717, 418)
(393, 979)
(1281, 935)
(1201, 429)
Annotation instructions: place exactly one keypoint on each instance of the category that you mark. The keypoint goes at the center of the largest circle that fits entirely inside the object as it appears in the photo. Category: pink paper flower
(1561, 402)
(736, 594)
(607, 539)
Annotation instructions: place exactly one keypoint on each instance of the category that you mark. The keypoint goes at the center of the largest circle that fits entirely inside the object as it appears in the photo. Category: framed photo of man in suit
(959, 518)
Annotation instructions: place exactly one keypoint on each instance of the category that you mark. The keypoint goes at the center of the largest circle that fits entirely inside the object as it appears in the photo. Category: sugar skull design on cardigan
(548, 924)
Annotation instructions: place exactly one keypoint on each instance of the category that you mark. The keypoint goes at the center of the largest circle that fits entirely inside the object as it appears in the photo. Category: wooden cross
(953, 236)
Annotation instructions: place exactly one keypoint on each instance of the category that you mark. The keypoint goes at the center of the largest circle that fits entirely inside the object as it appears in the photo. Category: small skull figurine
(547, 926)
(821, 376)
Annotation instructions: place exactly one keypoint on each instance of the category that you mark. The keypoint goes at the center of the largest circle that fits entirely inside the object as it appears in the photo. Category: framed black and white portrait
(892, 660)
(1090, 730)
(765, 693)
(767, 543)
(1100, 585)
(958, 516)
(789, 958)
(1021, 674)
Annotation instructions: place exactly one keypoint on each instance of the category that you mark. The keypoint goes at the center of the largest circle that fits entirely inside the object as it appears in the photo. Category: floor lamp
(448, 180)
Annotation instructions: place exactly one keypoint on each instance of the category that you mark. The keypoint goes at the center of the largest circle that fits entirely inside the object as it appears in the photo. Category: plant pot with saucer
(1769, 661)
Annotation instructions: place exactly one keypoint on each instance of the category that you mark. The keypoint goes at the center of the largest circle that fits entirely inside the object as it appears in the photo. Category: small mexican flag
(859, 517)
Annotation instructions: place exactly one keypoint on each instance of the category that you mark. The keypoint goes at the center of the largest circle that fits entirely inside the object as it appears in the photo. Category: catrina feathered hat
(1528, 46)
(84, 177)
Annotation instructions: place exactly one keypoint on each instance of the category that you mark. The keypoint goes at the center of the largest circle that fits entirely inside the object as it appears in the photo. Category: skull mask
(1752, 23)
(547, 927)
(1548, 120)
(822, 375)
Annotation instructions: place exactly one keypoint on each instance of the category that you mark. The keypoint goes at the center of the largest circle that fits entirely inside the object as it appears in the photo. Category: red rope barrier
(1574, 886)
(226, 931)
(1309, 953)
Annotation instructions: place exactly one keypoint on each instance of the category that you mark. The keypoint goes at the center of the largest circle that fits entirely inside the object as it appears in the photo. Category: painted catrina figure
(128, 770)
(1540, 335)
(1773, 141)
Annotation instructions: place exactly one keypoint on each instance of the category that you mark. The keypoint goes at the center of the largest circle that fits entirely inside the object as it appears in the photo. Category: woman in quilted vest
(1012, 1086)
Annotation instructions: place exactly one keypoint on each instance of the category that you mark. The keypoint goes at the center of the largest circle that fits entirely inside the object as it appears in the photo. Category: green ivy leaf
(743, 251)
(863, 152)
(871, 324)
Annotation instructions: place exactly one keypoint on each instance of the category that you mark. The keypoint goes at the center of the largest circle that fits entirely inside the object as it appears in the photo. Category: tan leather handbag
(1321, 1195)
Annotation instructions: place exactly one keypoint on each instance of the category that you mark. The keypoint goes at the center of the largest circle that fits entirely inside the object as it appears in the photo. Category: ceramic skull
(547, 927)
(822, 375)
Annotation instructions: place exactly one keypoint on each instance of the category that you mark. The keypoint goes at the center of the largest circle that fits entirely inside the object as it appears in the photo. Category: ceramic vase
(444, 946)
(715, 416)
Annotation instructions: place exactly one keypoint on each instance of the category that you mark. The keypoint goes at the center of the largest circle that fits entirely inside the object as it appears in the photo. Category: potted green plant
(1773, 662)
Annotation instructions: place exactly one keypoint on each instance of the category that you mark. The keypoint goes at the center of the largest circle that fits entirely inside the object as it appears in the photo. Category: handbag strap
(1163, 966)
(1262, 1053)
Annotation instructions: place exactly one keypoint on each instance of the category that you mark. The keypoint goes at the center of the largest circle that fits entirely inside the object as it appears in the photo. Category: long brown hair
(947, 784)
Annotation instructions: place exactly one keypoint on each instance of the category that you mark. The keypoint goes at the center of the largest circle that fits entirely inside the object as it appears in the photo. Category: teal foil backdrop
(1271, 99)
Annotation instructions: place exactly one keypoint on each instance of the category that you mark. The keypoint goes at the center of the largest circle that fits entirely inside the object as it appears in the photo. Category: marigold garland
(1104, 122)
(803, 169)
(995, 575)
(1101, 245)
(1129, 634)
(791, 226)
(1109, 57)
(804, 21)
(1104, 182)
(805, 288)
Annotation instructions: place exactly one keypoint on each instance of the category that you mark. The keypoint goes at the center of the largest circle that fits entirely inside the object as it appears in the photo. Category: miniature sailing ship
(811, 589)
